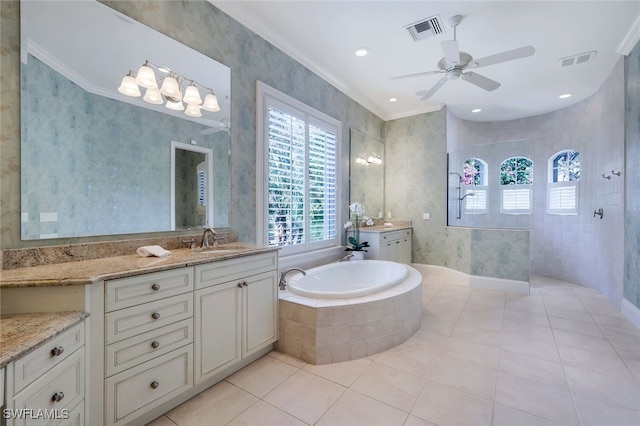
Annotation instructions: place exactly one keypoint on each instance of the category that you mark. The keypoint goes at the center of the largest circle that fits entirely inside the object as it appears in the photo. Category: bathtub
(345, 280)
(349, 310)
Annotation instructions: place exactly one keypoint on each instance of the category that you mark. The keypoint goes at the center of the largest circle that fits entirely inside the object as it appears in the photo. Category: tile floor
(561, 356)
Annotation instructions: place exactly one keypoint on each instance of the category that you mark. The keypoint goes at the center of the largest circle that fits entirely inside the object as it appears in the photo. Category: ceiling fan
(455, 63)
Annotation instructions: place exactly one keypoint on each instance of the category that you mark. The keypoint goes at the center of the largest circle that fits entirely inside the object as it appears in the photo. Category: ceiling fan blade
(509, 55)
(434, 89)
(480, 81)
(419, 74)
(451, 52)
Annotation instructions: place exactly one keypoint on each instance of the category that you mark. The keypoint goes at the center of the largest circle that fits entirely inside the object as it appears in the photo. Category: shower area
(488, 205)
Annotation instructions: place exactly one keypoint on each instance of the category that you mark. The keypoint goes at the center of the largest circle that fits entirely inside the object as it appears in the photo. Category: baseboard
(631, 311)
(478, 281)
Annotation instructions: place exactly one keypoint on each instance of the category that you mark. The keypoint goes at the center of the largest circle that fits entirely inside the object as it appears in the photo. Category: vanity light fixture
(171, 89)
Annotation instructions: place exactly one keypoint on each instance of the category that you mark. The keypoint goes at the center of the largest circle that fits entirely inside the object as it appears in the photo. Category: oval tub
(345, 280)
(349, 310)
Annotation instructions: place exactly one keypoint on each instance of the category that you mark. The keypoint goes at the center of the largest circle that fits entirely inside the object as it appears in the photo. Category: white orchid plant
(357, 210)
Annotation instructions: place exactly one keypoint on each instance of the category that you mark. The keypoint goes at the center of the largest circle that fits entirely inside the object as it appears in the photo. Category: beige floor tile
(261, 376)
(215, 406)
(353, 408)
(597, 413)
(523, 316)
(161, 421)
(600, 306)
(583, 341)
(444, 405)
(343, 373)
(609, 389)
(476, 332)
(417, 421)
(389, 385)
(409, 359)
(634, 366)
(434, 311)
(437, 325)
(582, 327)
(627, 350)
(483, 355)
(287, 358)
(624, 334)
(427, 341)
(608, 364)
(504, 415)
(536, 348)
(613, 321)
(465, 376)
(528, 331)
(305, 396)
(537, 399)
(532, 368)
(560, 312)
(264, 414)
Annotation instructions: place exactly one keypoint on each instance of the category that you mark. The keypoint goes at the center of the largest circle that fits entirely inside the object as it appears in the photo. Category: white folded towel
(157, 251)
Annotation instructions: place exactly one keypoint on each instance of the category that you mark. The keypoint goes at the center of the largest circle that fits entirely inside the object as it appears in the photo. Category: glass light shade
(211, 103)
(153, 96)
(170, 88)
(192, 95)
(146, 78)
(193, 110)
(176, 106)
(129, 86)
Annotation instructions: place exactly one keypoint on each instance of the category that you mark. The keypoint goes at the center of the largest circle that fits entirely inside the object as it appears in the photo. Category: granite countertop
(22, 333)
(89, 271)
(384, 228)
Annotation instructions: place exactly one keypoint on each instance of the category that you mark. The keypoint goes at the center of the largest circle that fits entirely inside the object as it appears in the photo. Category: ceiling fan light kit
(455, 63)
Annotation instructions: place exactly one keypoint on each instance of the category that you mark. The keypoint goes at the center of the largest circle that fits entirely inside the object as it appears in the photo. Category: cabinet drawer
(395, 235)
(138, 349)
(132, 321)
(131, 291)
(75, 417)
(148, 385)
(33, 365)
(60, 388)
(233, 269)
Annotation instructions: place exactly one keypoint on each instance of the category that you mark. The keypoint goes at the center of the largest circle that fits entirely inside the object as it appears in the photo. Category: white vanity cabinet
(393, 245)
(46, 386)
(148, 342)
(236, 311)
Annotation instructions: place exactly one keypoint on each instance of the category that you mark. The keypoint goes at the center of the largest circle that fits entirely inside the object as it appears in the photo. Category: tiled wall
(632, 179)
(580, 249)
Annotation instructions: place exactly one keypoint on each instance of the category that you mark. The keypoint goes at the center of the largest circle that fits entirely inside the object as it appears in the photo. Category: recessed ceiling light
(476, 110)
(362, 52)
(393, 99)
(565, 96)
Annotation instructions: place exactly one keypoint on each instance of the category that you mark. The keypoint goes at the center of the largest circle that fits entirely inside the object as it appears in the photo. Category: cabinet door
(405, 250)
(217, 328)
(260, 294)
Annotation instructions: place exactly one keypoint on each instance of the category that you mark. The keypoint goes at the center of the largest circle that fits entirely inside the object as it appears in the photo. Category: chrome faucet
(205, 237)
(347, 257)
(283, 281)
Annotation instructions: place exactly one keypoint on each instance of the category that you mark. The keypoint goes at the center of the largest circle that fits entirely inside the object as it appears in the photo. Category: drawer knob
(155, 287)
(57, 351)
(244, 283)
(155, 315)
(239, 285)
(57, 397)
(154, 385)
(155, 344)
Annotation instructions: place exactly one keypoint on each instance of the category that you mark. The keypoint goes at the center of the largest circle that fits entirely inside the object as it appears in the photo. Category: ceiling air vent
(425, 28)
(580, 58)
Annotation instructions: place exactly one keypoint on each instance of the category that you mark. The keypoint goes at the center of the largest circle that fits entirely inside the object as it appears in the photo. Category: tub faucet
(283, 281)
(205, 237)
(347, 257)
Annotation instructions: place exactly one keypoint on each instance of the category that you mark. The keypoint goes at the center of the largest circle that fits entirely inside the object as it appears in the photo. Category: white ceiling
(323, 36)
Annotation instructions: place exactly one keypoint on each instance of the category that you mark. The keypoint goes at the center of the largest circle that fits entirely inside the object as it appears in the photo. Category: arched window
(562, 182)
(516, 178)
(476, 190)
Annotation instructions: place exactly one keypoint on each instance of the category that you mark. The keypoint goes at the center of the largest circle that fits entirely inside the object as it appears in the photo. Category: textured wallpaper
(632, 176)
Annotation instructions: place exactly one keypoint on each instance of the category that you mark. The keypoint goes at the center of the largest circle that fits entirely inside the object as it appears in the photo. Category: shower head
(456, 173)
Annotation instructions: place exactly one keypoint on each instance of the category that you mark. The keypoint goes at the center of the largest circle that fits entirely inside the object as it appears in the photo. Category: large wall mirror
(97, 162)
(366, 173)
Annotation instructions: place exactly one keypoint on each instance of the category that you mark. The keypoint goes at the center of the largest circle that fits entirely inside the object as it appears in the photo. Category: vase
(357, 255)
